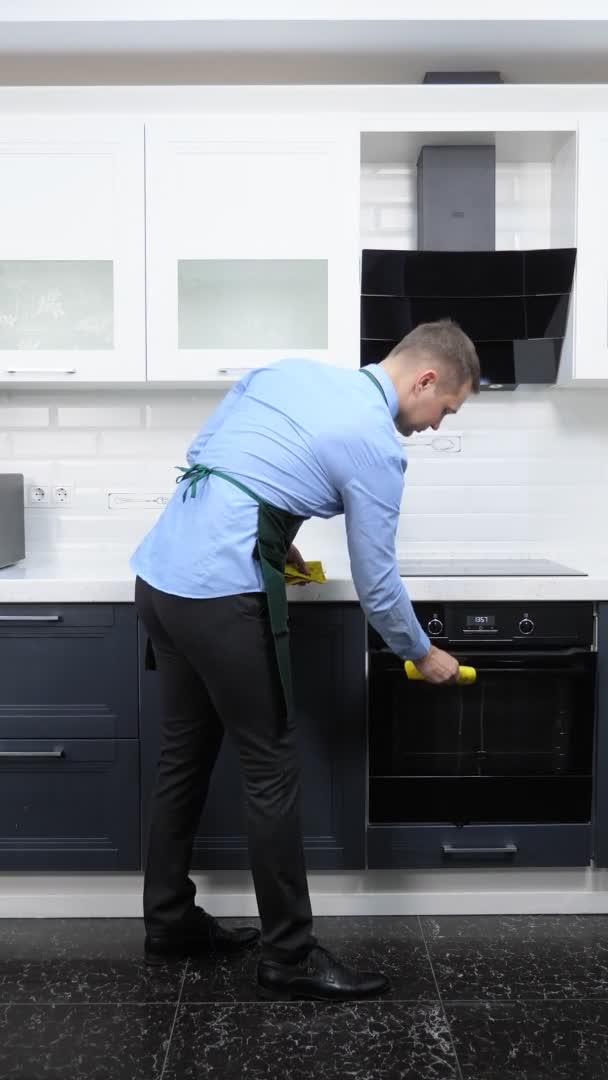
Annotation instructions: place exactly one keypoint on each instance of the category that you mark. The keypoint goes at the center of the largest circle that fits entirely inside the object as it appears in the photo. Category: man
(290, 441)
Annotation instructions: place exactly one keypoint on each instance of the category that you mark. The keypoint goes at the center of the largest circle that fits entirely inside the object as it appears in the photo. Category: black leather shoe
(320, 977)
(201, 936)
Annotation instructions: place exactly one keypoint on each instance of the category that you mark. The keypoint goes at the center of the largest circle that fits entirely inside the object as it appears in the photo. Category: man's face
(428, 401)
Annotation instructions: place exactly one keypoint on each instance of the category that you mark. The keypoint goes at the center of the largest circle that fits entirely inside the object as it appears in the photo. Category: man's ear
(426, 379)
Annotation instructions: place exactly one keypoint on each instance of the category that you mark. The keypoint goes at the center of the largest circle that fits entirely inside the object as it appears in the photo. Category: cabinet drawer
(61, 618)
(68, 671)
(69, 804)
(416, 846)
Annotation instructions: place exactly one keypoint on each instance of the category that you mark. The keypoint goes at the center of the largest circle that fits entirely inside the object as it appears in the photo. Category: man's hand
(438, 666)
(294, 557)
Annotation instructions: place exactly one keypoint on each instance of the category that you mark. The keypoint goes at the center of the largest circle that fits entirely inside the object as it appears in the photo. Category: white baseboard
(390, 892)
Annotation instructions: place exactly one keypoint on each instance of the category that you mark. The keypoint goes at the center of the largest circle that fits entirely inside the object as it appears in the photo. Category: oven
(500, 770)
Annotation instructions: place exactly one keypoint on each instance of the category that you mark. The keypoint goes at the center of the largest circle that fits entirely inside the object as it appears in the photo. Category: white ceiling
(84, 47)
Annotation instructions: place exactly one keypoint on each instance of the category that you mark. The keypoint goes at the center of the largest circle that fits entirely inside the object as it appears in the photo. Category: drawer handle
(228, 370)
(29, 754)
(505, 849)
(40, 371)
(30, 618)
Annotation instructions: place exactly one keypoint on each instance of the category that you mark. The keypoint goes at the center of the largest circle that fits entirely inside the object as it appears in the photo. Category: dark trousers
(217, 670)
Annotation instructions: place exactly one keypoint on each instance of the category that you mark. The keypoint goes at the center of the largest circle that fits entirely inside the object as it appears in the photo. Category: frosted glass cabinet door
(72, 270)
(252, 245)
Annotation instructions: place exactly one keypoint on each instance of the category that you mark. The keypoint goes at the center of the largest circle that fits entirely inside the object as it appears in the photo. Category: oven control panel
(549, 624)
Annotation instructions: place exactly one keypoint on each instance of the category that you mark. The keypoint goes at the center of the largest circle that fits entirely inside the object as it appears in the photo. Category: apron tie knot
(192, 476)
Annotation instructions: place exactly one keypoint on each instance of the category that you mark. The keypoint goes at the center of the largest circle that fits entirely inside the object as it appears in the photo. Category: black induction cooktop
(520, 567)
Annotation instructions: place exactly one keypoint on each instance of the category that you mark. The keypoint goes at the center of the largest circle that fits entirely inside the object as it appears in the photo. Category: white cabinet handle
(228, 370)
(39, 371)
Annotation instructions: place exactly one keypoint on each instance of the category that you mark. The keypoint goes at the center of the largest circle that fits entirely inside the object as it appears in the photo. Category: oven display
(481, 622)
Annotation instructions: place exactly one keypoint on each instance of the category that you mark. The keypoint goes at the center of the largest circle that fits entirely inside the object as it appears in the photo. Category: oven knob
(526, 626)
(435, 626)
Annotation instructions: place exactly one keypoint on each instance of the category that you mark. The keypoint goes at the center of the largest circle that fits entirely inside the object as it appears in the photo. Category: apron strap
(196, 473)
(377, 382)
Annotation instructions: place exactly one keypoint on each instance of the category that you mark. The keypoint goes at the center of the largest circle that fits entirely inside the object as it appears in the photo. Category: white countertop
(86, 576)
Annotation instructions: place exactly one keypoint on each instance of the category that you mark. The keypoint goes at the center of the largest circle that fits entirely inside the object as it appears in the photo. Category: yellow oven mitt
(293, 576)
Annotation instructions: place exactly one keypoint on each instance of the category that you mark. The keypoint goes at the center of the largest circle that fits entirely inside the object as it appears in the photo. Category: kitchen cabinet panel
(328, 651)
(68, 671)
(69, 804)
(590, 323)
(600, 827)
(69, 737)
(252, 245)
(72, 251)
(405, 847)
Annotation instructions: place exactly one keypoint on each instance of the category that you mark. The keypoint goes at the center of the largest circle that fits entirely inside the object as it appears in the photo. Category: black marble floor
(487, 998)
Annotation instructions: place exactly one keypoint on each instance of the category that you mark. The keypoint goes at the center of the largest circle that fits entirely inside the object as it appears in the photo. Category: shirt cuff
(422, 647)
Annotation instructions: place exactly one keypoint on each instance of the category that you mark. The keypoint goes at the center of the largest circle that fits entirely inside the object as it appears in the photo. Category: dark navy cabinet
(69, 731)
(600, 829)
(328, 657)
(79, 739)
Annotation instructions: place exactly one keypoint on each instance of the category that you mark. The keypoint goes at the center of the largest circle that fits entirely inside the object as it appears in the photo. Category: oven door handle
(518, 654)
(501, 654)
(475, 852)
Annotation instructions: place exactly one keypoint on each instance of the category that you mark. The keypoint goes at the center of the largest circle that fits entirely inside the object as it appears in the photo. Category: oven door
(517, 746)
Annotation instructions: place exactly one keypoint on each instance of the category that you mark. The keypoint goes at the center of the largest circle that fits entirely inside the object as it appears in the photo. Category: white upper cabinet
(252, 245)
(71, 251)
(590, 310)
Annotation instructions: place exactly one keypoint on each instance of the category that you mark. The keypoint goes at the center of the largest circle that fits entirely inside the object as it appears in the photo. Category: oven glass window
(516, 746)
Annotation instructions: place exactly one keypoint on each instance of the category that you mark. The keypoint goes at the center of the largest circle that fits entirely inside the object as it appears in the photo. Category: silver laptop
(12, 525)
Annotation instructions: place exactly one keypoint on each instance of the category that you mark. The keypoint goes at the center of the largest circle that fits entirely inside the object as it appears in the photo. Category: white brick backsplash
(161, 445)
(54, 444)
(181, 415)
(95, 417)
(533, 467)
(109, 528)
(489, 528)
(34, 472)
(537, 442)
(116, 473)
(464, 472)
(389, 212)
(494, 499)
(40, 530)
(23, 417)
(394, 218)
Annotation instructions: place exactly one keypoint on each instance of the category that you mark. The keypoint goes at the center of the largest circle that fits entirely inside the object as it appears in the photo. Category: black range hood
(512, 304)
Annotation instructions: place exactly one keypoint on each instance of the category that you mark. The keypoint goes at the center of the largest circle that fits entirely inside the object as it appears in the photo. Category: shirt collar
(389, 389)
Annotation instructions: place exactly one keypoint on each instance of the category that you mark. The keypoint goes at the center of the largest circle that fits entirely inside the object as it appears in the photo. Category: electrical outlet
(38, 495)
(61, 495)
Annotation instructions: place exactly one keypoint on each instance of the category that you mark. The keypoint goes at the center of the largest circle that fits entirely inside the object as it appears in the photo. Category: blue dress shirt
(311, 439)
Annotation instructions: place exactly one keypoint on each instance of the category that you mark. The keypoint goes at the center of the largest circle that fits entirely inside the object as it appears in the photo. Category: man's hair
(446, 342)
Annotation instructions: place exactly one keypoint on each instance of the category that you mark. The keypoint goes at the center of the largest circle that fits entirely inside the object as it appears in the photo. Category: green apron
(275, 535)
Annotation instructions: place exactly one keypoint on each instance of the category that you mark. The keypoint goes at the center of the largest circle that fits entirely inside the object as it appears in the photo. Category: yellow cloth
(293, 576)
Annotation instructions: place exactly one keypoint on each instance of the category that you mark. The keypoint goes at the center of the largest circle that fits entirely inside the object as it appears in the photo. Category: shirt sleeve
(372, 502)
(217, 418)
